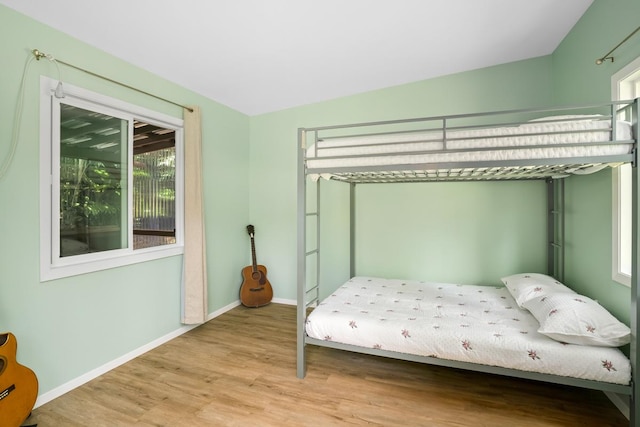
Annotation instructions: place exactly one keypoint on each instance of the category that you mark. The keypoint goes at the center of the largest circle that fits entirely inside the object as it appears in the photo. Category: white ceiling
(258, 56)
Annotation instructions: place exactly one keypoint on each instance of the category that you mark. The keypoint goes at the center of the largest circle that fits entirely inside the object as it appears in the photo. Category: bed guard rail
(503, 136)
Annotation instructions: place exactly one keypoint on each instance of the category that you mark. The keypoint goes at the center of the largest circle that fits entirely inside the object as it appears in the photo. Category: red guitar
(256, 290)
(18, 385)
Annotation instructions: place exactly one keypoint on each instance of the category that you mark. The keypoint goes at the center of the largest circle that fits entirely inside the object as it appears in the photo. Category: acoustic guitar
(18, 385)
(256, 290)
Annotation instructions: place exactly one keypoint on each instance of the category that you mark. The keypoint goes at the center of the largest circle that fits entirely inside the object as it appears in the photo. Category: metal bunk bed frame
(308, 296)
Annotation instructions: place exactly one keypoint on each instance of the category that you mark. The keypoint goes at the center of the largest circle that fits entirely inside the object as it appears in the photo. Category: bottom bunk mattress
(467, 323)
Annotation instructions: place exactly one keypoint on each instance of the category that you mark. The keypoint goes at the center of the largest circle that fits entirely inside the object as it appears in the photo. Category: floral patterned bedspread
(478, 324)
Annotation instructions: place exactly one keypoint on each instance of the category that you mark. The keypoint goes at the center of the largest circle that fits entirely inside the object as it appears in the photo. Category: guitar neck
(254, 264)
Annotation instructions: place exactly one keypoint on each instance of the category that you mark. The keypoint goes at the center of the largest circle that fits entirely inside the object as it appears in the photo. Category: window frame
(52, 266)
(617, 273)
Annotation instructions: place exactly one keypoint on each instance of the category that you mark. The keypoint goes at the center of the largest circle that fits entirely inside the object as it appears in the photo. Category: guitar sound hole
(3, 363)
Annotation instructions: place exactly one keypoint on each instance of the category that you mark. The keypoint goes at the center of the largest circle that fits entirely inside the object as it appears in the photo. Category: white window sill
(52, 272)
(623, 279)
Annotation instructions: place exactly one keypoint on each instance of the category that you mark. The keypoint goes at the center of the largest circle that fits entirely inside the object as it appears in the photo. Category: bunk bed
(526, 144)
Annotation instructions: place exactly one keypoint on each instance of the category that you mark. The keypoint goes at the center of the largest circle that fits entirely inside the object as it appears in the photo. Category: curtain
(194, 281)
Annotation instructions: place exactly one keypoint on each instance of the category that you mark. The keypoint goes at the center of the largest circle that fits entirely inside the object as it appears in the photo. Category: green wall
(458, 208)
(577, 79)
(470, 233)
(68, 327)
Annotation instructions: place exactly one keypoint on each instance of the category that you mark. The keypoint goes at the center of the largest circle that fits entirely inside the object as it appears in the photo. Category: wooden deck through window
(239, 370)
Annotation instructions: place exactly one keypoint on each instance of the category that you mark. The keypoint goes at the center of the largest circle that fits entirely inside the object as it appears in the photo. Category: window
(622, 223)
(625, 85)
(111, 183)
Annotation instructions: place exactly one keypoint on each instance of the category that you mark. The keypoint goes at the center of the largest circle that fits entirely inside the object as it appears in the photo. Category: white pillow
(576, 319)
(525, 286)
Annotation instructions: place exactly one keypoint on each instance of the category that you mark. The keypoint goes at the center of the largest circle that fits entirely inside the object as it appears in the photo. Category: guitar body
(256, 290)
(18, 385)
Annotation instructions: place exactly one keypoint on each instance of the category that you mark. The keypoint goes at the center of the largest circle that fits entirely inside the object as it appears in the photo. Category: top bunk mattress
(561, 138)
(467, 323)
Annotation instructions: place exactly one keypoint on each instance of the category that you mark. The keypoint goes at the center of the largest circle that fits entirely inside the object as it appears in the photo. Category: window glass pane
(93, 176)
(90, 146)
(154, 186)
(625, 85)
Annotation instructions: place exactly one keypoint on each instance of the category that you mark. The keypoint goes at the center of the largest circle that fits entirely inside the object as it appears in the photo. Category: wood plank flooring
(239, 370)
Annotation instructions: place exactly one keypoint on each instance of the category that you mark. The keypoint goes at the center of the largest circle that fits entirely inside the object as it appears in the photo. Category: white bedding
(509, 143)
(478, 324)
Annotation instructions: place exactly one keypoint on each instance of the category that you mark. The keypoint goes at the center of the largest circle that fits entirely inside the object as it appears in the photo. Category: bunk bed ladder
(312, 294)
(555, 228)
(306, 296)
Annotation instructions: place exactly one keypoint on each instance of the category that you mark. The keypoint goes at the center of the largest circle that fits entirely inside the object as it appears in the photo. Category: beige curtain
(194, 285)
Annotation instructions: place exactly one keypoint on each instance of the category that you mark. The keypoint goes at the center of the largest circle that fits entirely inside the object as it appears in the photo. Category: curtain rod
(39, 54)
(606, 55)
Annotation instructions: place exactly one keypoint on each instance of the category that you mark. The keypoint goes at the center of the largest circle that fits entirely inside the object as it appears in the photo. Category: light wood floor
(239, 370)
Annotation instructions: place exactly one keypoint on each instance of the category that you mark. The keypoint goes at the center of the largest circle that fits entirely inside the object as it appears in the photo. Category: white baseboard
(284, 301)
(94, 373)
(223, 310)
